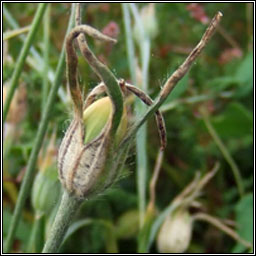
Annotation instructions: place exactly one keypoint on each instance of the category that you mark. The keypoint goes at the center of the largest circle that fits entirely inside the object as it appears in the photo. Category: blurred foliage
(244, 219)
(223, 73)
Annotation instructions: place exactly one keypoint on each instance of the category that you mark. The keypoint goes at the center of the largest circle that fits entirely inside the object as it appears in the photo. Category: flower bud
(87, 151)
(94, 124)
(127, 225)
(46, 186)
(45, 191)
(175, 233)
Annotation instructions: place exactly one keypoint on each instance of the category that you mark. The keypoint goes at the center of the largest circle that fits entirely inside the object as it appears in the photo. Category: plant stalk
(129, 42)
(68, 207)
(141, 137)
(36, 240)
(46, 56)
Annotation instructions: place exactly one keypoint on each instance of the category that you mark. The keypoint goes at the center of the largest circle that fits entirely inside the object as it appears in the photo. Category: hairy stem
(68, 207)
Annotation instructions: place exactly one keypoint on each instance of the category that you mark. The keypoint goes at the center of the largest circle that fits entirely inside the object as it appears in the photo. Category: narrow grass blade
(22, 57)
(27, 180)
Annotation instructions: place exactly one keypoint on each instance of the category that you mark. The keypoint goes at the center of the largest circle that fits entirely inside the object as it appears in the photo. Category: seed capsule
(175, 233)
(86, 152)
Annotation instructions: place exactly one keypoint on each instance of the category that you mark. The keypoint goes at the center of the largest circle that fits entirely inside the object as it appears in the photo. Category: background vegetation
(220, 83)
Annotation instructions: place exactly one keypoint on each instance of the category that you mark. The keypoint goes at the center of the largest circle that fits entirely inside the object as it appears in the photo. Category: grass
(196, 139)
(28, 178)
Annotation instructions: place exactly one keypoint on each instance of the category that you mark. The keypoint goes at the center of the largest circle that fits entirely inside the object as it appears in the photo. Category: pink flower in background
(198, 13)
(229, 54)
(111, 29)
(105, 7)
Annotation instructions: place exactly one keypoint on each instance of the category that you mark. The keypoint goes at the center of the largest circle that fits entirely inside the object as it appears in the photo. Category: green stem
(22, 57)
(141, 160)
(37, 235)
(138, 19)
(141, 145)
(141, 137)
(225, 152)
(16, 32)
(46, 57)
(27, 180)
(189, 100)
(145, 59)
(110, 237)
(129, 42)
(68, 207)
(145, 231)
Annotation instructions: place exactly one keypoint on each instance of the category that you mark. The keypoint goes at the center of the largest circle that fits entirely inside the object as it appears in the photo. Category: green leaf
(235, 121)
(23, 229)
(75, 226)
(244, 219)
(222, 83)
(244, 74)
(241, 78)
